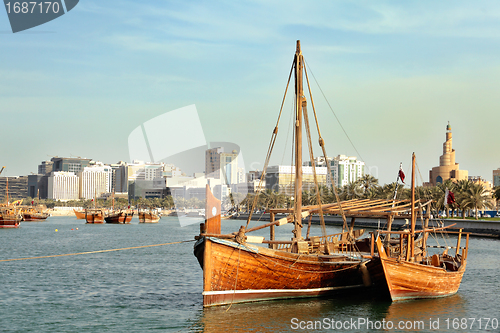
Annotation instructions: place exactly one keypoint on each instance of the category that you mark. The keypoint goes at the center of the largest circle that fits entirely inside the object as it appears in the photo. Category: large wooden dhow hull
(236, 273)
(408, 280)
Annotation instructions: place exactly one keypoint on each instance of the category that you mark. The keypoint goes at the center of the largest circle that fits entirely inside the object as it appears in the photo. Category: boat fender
(367, 281)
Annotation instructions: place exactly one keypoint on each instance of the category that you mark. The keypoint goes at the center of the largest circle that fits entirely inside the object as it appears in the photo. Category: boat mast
(300, 102)
(411, 240)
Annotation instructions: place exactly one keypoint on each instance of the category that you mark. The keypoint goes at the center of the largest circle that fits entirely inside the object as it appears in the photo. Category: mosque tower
(447, 168)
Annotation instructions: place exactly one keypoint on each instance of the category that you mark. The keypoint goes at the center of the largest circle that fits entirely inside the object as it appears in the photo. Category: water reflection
(278, 316)
(427, 311)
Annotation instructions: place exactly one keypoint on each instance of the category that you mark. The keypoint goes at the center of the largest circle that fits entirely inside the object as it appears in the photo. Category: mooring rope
(98, 251)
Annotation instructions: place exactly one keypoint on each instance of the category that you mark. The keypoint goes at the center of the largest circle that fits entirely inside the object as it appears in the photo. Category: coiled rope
(99, 251)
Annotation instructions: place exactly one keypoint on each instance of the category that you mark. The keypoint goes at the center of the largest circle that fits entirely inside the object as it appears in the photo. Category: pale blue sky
(394, 72)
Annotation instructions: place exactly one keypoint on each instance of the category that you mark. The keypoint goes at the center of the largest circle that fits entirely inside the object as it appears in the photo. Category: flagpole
(397, 183)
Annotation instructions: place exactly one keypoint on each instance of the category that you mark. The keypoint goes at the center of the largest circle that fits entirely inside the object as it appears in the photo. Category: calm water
(159, 288)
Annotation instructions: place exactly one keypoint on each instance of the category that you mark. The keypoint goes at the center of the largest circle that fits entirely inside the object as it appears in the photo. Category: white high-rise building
(95, 181)
(63, 186)
(345, 169)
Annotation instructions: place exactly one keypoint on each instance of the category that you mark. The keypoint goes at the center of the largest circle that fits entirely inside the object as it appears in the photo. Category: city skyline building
(95, 181)
(496, 177)
(448, 168)
(222, 165)
(63, 185)
(281, 178)
(345, 169)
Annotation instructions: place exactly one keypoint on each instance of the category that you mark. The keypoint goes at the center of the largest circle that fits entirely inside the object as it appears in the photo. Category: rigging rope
(98, 251)
(269, 150)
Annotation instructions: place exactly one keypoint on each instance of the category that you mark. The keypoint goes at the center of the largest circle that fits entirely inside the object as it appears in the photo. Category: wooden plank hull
(119, 218)
(407, 280)
(79, 215)
(148, 217)
(94, 217)
(10, 220)
(235, 273)
(35, 216)
(9, 223)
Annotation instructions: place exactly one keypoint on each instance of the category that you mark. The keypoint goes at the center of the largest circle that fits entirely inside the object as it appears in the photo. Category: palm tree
(461, 187)
(477, 198)
(367, 182)
(496, 195)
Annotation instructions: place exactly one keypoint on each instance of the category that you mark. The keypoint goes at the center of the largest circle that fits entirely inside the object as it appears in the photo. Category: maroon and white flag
(401, 174)
(449, 197)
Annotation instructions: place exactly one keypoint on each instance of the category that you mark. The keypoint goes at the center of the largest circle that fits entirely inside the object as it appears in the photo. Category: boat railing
(399, 248)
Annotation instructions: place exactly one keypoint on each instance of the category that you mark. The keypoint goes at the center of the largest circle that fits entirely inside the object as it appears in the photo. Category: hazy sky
(394, 72)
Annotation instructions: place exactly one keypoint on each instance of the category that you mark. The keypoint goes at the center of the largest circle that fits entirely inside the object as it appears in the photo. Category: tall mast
(411, 244)
(300, 102)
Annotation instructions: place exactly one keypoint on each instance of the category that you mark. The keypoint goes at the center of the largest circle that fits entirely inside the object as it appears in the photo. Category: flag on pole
(401, 174)
(449, 197)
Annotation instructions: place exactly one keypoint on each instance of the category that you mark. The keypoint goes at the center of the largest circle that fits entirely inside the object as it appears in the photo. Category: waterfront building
(95, 181)
(38, 186)
(448, 168)
(254, 175)
(18, 188)
(63, 185)
(70, 164)
(345, 169)
(496, 177)
(45, 167)
(222, 165)
(119, 181)
(281, 178)
(152, 180)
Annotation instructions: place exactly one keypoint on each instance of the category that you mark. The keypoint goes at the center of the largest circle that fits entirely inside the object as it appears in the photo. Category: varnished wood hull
(94, 217)
(35, 216)
(148, 218)
(406, 280)
(9, 222)
(79, 215)
(121, 217)
(234, 273)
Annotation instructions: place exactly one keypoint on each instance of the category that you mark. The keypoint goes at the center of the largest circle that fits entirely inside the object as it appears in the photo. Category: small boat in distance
(10, 217)
(80, 214)
(31, 213)
(122, 216)
(149, 216)
(94, 215)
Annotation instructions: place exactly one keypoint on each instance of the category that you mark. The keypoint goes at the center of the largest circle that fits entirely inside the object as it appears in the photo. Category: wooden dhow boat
(148, 216)
(94, 215)
(122, 216)
(10, 217)
(409, 270)
(236, 269)
(80, 214)
(31, 213)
